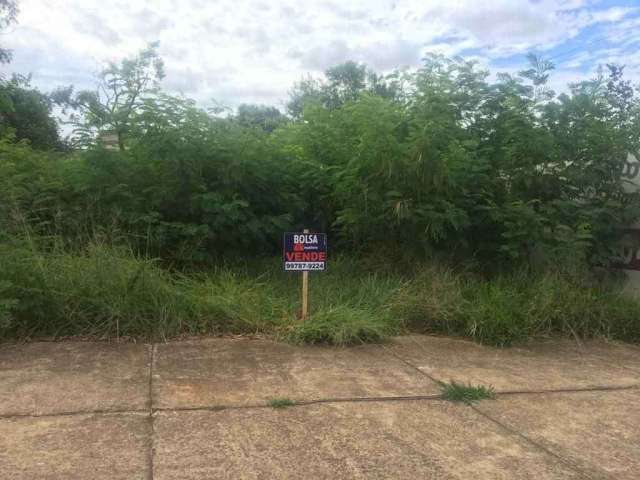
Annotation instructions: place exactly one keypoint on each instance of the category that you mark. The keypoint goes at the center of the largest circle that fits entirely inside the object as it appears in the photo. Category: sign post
(305, 290)
(305, 252)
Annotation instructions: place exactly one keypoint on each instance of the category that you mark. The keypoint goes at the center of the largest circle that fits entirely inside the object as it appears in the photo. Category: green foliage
(342, 325)
(348, 306)
(435, 160)
(7, 305)
(190, 198)
(461, 164)
(25, 114)
(432, 300)
(232, 302)
(120, 98)
(458, 392)
(343, 84)
(504, 177)
(101, 291)
(513, 307)
(260, 116)
(8, 15)
(107, 292)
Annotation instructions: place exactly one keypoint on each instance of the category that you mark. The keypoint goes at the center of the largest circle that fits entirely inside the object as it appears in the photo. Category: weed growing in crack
(458, 392)
(281, 403)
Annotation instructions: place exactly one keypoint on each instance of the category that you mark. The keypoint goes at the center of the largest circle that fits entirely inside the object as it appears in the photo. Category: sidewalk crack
(406, 362)
(569, 463)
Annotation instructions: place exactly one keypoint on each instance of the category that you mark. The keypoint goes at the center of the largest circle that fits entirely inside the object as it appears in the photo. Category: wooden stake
(305, 290)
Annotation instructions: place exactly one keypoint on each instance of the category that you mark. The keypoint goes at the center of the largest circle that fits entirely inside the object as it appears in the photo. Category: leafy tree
(27, 114)
(120, 96)
(259, 116)
(308, 90)
(619, 95)
(8, 15)
(343, 83)
(538, 73)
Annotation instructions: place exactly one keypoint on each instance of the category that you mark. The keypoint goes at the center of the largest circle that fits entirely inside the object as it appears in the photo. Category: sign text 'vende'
(305, 251)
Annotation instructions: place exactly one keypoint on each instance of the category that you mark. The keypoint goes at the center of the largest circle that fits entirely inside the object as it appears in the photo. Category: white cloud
(253, 50)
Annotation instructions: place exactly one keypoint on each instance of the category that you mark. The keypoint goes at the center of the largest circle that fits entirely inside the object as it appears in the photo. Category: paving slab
(53, 377)
(371, 440)
(250, 372)
(79, 447)
(600, 430)
(538, 365)
(619, 354)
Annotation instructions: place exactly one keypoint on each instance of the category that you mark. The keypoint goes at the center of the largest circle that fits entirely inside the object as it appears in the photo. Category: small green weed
(281, 403)
(458, 392)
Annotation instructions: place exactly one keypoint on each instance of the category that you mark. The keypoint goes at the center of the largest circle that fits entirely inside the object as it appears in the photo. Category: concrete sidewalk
(198, 410)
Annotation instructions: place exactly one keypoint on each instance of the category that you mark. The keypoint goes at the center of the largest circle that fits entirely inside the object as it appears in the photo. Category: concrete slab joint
(198, 409)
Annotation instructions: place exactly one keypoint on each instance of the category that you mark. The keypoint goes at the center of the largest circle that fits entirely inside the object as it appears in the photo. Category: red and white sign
(304, 251)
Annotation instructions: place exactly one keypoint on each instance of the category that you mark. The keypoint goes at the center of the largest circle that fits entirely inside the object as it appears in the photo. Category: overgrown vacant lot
(106, 291)
(453, 204)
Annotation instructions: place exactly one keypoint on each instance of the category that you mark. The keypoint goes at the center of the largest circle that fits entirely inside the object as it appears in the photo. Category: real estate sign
(304, 252)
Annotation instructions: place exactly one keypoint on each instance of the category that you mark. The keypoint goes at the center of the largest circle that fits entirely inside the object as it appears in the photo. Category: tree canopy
(26, 114)
(8, 16)
(120, 97)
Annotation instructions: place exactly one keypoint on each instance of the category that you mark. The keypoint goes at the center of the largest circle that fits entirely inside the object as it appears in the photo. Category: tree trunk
(120, 141)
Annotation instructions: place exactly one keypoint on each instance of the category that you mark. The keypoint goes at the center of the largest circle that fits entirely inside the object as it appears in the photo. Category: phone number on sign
(304, 266)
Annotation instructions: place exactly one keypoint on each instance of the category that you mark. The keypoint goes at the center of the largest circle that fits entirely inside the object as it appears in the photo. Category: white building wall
(630, 254)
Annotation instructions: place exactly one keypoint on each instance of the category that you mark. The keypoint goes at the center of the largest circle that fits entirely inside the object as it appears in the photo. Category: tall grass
(343, 325)
(516, 306)
(107, 291)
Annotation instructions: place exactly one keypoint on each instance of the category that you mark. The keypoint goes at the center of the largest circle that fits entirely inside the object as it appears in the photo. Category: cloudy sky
(253, 50)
